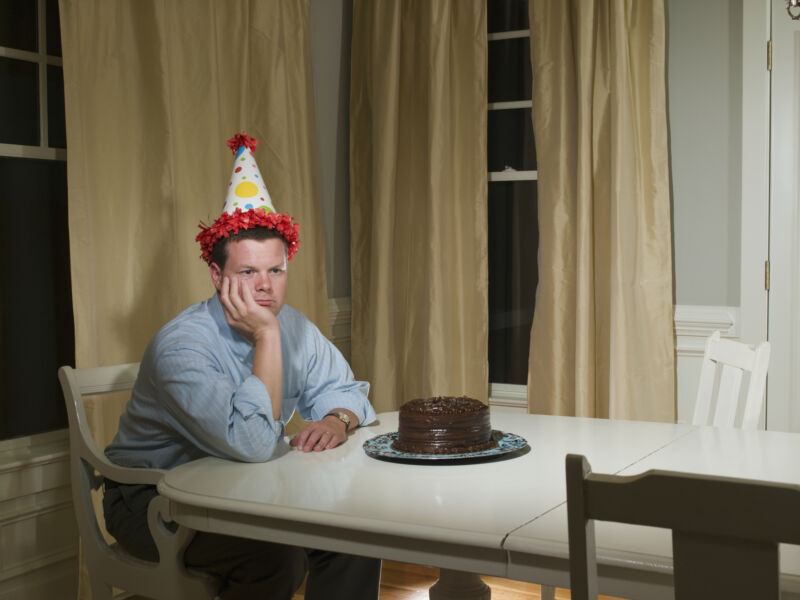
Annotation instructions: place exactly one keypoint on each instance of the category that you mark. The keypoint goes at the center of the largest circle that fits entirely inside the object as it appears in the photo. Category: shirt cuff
(252, 398)
(360, 407)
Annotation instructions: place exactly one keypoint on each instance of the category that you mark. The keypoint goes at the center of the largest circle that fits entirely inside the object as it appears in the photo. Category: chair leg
(548, 592)
(100, 589)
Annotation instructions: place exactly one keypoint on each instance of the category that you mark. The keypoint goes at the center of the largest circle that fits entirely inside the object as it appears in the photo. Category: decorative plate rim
(380, 447)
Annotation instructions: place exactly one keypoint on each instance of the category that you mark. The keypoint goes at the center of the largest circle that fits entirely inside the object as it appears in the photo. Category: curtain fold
(153, 90)
(418, 188)
(602, 342)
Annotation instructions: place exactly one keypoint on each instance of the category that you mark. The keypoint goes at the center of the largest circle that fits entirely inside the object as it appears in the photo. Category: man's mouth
(265, 302)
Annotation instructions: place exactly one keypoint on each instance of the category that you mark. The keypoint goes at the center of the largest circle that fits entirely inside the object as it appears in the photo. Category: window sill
(507, 395)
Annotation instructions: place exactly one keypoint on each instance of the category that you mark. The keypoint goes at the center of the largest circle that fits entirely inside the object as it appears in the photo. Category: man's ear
(216, 275)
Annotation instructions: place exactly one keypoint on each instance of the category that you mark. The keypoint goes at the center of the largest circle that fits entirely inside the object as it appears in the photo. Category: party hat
(247, 203)
(246, 189)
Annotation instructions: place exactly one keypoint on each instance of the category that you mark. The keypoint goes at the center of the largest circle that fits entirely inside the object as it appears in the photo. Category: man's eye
(246, 272)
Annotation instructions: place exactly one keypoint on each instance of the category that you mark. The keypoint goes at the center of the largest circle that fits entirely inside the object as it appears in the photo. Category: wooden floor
(400, 581)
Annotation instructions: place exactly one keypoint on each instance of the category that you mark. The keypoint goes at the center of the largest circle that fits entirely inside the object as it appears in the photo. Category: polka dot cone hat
(247, 203)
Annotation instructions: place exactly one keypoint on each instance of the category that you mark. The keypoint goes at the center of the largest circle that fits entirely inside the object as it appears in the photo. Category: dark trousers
(246, 569)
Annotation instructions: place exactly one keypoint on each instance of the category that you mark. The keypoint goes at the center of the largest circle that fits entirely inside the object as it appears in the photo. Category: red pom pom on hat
(231, 224)
(242, 139)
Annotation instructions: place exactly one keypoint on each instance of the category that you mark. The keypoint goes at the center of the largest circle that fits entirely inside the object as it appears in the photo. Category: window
(36, 323)
(513, 218)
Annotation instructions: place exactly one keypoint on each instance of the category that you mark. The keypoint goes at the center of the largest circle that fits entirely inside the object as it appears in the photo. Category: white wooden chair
(108, 564)
(730, 360)
(725, 531)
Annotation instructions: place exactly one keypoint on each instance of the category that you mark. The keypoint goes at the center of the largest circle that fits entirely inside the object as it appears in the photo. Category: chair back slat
(754, 400)
(730, 384)
(105, 380)
(719, 395)
(735, 354)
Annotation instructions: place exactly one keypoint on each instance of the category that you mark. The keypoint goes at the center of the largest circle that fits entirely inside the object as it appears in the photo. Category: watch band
(342, 417)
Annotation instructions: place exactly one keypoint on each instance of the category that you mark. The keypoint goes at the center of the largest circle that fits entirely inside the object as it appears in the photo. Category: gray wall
(331, 24)
(704, 96)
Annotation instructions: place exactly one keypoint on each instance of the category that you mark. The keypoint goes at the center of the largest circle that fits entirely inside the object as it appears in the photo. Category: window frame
(507, 394)
(48, 443)
(42, 59)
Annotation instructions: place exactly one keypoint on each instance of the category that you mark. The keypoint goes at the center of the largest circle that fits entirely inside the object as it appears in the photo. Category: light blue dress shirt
(196, 395)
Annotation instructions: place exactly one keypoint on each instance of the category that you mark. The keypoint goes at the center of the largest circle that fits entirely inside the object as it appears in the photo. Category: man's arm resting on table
(327, 433)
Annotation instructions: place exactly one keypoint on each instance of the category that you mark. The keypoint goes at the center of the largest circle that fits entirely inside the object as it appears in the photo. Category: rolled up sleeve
(220, 416)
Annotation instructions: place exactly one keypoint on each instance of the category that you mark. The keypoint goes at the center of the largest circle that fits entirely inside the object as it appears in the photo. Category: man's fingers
(324, 441)
(236, 295)
(247, 295)
(301, 439)
(316, 438)
(225, 289)
(225, 298)
(229, 292)
(313, 441)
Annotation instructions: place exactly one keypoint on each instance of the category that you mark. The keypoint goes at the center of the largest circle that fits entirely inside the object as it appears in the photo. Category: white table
(636, 561)
(454, 516)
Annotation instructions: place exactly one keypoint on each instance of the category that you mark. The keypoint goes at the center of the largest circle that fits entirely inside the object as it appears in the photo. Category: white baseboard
(36, 519)
(694, 323)
(339, 313)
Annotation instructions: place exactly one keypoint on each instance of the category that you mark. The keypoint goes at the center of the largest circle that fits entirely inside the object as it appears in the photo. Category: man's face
(261, 266)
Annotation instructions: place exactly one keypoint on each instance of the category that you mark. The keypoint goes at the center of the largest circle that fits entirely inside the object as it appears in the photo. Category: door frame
(754, 300)
(784, 228)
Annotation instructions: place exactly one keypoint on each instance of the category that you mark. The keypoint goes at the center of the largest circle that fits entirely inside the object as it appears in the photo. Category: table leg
(459, 585)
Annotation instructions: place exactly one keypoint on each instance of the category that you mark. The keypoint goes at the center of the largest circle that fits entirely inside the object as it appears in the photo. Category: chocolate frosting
(444, 425)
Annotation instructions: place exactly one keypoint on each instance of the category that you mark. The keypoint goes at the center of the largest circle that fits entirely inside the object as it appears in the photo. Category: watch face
(342, 417)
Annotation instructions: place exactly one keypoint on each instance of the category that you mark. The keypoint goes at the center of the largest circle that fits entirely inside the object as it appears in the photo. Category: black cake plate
(381, 447)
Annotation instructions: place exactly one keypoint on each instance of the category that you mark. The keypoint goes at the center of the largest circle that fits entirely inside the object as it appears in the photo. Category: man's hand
(242, 312)
(320, 435)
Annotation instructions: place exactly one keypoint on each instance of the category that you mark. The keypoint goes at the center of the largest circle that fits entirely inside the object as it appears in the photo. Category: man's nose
(263, 282)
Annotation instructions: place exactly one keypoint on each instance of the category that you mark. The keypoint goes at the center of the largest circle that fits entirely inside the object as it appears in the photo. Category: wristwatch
(342, 417)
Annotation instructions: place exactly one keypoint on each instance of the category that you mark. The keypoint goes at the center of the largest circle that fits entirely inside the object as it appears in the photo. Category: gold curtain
(153, 90)
(418, 199)
(602, 343)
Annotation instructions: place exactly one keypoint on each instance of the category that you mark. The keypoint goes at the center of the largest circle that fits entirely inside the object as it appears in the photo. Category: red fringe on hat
(230, 224)
(242, 139)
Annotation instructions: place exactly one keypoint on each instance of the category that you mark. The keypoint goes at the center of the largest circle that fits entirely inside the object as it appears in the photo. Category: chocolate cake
(444, 425)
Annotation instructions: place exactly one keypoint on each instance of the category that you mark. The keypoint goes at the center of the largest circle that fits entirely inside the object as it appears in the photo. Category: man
(222, 379)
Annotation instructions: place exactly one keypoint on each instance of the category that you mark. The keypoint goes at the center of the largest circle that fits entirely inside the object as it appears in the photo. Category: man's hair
(219, 254)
